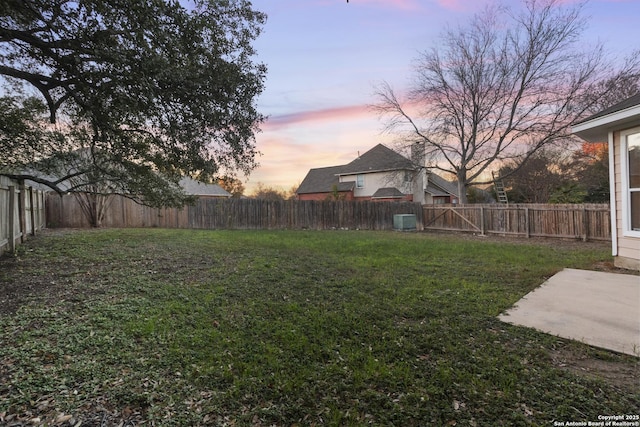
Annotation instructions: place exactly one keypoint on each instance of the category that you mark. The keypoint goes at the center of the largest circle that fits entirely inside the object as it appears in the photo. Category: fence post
(32, 213)
(42, 212)
(12, 219)
(526, 222)
(61, 212)
(585, 224)
(482, 220)
(22, 211)
(38, 202)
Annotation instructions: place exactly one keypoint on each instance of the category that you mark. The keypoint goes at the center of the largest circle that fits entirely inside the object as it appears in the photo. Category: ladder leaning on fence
(500, 191)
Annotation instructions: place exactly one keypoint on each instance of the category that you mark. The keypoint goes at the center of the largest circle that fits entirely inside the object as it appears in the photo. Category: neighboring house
(200, 189)
(620, 126)
(438, 190)
(380, 174)
(190, 186)
(324, 183)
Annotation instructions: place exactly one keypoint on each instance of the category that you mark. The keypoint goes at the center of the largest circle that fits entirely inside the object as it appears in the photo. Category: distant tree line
(261, 191)
(554, 176)
(266, 192)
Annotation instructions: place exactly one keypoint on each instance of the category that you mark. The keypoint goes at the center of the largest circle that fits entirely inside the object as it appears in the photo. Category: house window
(630, 150)
(408, 176)
(359, 181)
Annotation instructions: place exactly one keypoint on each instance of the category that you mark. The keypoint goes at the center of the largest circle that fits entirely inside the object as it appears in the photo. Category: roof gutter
(596, 130)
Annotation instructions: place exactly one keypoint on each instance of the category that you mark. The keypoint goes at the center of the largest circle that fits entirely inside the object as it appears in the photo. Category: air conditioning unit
(404, 222)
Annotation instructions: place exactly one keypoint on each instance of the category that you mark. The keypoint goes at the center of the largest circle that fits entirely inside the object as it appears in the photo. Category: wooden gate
(586, 221)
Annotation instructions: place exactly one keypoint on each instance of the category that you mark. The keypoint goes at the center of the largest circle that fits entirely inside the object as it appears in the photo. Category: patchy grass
(184, 327)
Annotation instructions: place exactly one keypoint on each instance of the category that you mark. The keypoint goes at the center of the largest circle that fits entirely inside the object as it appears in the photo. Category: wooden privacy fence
(527, 220)
(238, 214)
(586, 221)
(22, 212)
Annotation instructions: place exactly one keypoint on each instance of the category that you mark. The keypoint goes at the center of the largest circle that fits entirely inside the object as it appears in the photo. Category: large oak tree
(128, 96)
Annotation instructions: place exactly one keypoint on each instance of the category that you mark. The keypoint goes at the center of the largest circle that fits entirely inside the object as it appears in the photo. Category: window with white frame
(630, 156)
(359, 181)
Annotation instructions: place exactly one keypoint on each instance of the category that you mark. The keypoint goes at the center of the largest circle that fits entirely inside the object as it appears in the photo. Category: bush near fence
(209, 213)
(22, 212)
(584, 221)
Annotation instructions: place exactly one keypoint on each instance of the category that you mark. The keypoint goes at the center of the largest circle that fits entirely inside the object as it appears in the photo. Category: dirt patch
(608, 267)
(16, 293)
(522, 240)
(25, 279)
(604, 366)
(96, 413)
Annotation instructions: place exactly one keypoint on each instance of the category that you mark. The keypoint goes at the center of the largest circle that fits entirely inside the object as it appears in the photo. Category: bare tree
(265, 192)
(504, 86)
(537, 179)
(618, 85)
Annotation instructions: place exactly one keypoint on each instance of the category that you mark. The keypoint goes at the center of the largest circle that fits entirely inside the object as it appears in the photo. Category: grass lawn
(185, 327)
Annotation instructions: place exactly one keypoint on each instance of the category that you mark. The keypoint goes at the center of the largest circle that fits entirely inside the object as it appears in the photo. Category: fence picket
(530, 220)
(239, 214)
(22, 213)
(586, 221)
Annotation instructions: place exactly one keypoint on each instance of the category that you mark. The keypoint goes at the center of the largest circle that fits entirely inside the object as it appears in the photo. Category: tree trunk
(462, 187)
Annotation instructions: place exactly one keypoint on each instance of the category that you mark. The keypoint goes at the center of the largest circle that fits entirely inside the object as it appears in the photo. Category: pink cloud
(452, 4)
(288, 151)
(324, 115)
(285, 162)
(400, 4)
(397, 4)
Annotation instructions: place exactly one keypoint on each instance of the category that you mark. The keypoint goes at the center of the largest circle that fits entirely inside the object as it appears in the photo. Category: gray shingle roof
(323, 180)
(196, 188)
(388, 193)
(379, 158)
(438, 186)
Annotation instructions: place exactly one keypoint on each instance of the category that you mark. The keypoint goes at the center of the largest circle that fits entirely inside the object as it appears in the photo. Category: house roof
(438, 186)
(323, 180)
(196, 188)
(379, 158)
(387, 193)
(435, 191)
(595, 128)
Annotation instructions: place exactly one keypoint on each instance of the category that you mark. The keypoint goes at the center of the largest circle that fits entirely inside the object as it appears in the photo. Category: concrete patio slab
(597, 308)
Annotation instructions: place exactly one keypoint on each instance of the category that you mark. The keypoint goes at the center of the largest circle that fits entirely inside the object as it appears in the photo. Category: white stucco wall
(376, 180)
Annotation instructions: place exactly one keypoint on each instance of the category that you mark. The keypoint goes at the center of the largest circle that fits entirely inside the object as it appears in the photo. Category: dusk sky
(324, 58)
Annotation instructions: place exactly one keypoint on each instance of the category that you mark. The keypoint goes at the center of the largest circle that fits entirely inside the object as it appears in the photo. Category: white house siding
(628, 247)
(376, 180)
(428, 199)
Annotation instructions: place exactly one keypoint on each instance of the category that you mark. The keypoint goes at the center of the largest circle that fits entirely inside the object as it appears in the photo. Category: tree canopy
(558, 175)
(503, 86)
(232, 185)
(131, 94)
